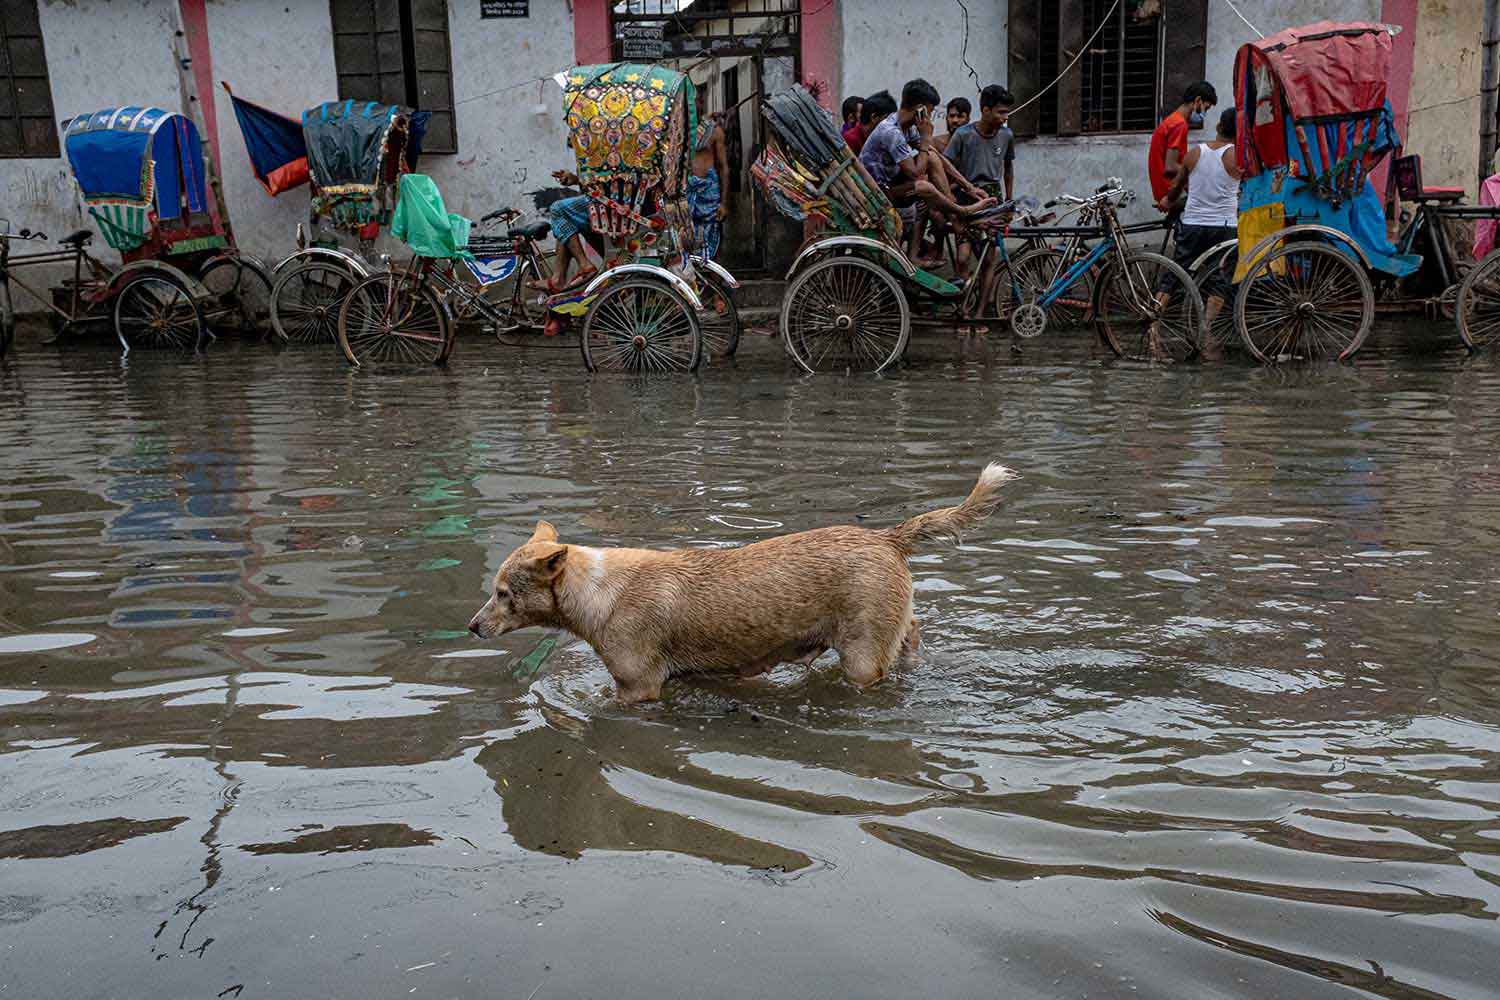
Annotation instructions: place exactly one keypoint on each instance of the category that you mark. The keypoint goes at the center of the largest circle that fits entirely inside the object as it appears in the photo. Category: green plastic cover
(424, 223)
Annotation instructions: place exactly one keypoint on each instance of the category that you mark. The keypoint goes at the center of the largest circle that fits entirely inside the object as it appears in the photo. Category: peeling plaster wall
(1443, 114)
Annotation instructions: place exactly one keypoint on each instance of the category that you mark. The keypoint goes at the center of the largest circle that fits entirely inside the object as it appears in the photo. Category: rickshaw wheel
(393, 319)
(1221, 332)
(1032, 272)
(305, 302)
(1304, 300)
(241, 294)
(1478, 307)
(156, 313)
(643, 325)
(1133, 320)
(845, 314)
(719, 322)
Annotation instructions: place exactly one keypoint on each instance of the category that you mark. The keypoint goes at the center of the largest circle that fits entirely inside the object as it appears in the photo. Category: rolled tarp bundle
(814, 169)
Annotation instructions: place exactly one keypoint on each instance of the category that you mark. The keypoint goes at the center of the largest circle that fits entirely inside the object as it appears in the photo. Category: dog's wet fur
(651, 615)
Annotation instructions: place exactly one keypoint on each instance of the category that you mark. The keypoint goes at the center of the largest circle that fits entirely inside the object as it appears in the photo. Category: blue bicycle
(1143, 305)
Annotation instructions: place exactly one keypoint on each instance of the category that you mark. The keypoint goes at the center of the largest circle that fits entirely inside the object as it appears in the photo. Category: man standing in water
(708, 187)
(1211, 213)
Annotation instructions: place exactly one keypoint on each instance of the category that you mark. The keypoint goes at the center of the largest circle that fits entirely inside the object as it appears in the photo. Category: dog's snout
(474, 626)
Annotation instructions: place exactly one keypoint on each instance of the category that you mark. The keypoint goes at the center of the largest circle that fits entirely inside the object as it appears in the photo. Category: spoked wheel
(1218, 271)
(305, 301)
(845, 314)
(394, 319)
(241, 293)
(1146, 307)
(1032, 273)
(641, 325)
(156, 313)
(1304, 300)
(720, 320)
(1478, 306)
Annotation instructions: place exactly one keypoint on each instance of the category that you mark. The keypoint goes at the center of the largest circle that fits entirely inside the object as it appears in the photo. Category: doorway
(737, 52)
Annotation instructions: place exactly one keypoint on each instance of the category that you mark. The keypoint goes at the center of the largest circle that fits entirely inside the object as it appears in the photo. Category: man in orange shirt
(1169, 141)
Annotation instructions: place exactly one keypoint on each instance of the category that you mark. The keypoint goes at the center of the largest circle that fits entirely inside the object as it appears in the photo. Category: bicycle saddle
(77, 239)
(534, 231)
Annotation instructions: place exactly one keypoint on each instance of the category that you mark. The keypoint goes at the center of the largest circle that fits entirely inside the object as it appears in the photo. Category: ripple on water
(41, 642)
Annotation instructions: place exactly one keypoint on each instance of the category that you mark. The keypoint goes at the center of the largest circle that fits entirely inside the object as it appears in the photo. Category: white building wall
(280, 55)
(98, 55)
(885, 44)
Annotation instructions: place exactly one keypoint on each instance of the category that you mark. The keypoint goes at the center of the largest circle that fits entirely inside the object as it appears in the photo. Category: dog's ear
(548, 562)
(544, 533)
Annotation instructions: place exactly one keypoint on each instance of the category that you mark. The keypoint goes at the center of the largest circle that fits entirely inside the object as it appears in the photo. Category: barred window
(396, 52)
(1145, 53)
(27, 126)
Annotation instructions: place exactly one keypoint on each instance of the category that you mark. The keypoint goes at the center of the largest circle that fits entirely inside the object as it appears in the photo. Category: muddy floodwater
(1210, 708)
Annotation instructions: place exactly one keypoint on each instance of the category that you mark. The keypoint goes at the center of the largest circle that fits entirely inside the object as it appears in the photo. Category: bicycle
(1143, 304)
(149, 305)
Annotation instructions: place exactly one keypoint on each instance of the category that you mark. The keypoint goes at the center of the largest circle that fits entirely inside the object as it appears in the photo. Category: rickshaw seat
(1408, 174)
(78, 238)
(534, 231)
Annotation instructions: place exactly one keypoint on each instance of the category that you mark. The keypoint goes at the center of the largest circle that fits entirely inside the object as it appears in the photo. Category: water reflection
(1211, 703)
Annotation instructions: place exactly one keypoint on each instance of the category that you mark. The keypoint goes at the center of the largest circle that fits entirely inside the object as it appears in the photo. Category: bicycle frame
(76, 255)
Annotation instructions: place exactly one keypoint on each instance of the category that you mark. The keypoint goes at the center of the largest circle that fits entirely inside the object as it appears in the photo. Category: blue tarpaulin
(275, 144)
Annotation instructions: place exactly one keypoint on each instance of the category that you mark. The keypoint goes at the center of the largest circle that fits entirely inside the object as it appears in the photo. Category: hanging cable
(963, 53)
(1242, 17)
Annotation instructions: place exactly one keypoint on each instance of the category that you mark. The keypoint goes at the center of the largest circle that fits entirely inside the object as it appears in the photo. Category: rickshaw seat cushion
(77, 239)
(1441, 194)
(534, 231)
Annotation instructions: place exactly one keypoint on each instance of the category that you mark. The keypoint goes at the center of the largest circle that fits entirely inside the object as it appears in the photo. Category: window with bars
(396, 52)
(1145, 53)
(27, 127)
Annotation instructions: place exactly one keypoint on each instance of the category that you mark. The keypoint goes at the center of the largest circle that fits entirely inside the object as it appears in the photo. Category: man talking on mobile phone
(900, 156)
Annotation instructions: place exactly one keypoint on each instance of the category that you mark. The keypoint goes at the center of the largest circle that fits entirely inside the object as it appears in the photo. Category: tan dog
(650, 615)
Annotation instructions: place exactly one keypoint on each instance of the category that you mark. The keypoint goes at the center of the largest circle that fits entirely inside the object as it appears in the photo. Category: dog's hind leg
(867, 655)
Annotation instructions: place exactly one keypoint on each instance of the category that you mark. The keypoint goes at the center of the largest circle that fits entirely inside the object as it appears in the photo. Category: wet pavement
(1209, 708)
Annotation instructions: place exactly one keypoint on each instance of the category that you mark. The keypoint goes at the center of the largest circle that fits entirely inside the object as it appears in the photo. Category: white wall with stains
(279, 53)
(99, 55)
(886, 44)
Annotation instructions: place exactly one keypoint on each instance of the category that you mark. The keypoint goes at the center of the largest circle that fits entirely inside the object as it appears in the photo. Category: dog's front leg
(638, 678)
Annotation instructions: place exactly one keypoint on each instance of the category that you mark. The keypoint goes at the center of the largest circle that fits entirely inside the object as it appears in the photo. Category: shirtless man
(708, 187)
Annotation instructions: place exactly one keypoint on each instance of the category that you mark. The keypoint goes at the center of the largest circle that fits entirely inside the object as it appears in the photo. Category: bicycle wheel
(1478, 306)
(305, 301)
(241, 295)
(1218, 271)
(155, 312)
(1304, 300)
(720, 320)
(1146, 307)
(1032, 273)
(393, 318)
(845, 314)
(642, 325)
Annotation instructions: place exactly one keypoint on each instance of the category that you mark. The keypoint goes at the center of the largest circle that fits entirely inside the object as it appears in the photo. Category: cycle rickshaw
(351, 153)
(853, 294)
(1313, 265)
(656, 304)
(142, 178)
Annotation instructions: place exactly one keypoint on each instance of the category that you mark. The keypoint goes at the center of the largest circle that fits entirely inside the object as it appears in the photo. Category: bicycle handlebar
(503, 214)
(24, 234)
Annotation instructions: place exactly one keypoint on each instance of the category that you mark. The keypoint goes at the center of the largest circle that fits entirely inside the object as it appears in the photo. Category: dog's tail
(948, 524)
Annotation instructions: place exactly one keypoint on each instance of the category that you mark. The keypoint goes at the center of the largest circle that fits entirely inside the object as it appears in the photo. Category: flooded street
(1209, 708)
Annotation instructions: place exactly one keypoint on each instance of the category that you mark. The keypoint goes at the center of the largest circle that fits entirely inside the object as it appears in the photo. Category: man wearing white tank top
(1212, 178)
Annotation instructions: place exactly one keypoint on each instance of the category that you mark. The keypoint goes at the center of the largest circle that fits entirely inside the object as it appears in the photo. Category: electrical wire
(1242, 17)
(1066, 70)
(963, 53)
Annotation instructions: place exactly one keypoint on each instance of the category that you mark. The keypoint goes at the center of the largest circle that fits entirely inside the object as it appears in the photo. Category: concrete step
(760, 293)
